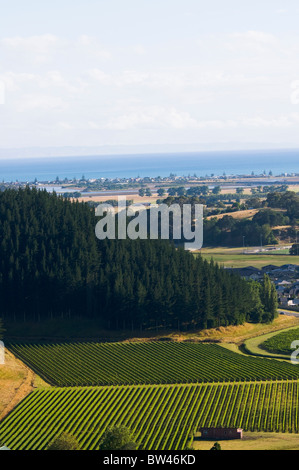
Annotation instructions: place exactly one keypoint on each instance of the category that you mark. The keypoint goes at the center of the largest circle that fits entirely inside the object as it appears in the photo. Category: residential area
(285, 278)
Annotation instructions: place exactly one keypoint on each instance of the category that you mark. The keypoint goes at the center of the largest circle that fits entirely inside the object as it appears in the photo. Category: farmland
(281, 342)
(87, 364)
(235, 258)
(160, 416)
(164, 391)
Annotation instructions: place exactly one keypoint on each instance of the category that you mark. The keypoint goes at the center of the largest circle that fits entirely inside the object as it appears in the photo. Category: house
(285, 283)
(221, 433)
(248, 272)
(289, 267)
(269, 268)
(283, 301)
(280, 289)
(294, 292)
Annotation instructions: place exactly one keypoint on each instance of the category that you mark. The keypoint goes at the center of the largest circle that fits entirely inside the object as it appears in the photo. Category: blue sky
(167, 72)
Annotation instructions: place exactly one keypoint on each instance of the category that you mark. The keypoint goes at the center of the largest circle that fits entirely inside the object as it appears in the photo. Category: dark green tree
(294, 251)
(269, 299)
(161, 192)
(52, 266)
(216, 190)
(117, 438)
(2, 330)
(216, 446)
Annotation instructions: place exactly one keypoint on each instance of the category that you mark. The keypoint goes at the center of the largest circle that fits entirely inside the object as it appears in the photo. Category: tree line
(53, 266)
(278, 209)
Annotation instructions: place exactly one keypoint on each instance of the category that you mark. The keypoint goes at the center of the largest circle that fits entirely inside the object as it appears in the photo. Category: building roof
(251, 268)
(270, 267)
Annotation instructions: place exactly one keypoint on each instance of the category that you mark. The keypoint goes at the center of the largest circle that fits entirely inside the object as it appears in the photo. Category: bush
(65, 441)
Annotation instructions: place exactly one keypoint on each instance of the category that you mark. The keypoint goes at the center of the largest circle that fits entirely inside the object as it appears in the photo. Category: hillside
(54, 267)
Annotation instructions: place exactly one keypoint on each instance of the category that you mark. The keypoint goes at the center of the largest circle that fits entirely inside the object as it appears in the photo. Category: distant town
(122, 184)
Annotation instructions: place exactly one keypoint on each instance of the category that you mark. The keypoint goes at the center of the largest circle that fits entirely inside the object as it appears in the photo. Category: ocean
(152, 165)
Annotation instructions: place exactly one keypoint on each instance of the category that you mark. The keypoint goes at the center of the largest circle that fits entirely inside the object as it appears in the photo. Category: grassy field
(160, 416)
(247, 214)
(16, 382)
(13, 374)
(130, 197)
(274, 344)
(235, 258)
(255, 441)
(239, 333)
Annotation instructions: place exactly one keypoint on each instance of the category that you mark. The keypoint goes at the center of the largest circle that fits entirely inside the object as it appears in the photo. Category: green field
(160, 416)
(281, 342)
(164, 391)
(255, 441)
(86, 364)
(235, 258)
(257, 261)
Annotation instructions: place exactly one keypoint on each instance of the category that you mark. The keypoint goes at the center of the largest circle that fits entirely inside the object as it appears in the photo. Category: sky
(99, 73)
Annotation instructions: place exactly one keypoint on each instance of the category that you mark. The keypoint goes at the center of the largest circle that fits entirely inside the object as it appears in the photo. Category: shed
(221, 433)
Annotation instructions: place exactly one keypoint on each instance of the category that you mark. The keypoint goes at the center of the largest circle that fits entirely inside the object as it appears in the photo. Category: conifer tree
(51, 263)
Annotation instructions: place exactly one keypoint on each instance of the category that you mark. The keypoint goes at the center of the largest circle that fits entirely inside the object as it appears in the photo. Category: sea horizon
(202, 163)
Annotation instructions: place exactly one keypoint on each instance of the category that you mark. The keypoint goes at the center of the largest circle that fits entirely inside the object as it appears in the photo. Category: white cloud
(256, 42)
(256, 37)
(51, 81)
(33, 43)
(15, 81)
(139, 49)
(158, 117)
(260, 122)
(91, 46)
(41, 102)
(45, 48)
(99, 76)
(37, 49)
(65, 125)
(153, 117)
(238, 81)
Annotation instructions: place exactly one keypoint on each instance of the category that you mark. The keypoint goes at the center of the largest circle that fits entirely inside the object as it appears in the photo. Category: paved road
(290, 313)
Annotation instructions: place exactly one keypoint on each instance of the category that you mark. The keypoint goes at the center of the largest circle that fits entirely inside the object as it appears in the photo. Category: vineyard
(163, 391)
(160, 416)
(94, 364)
(281, 343)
